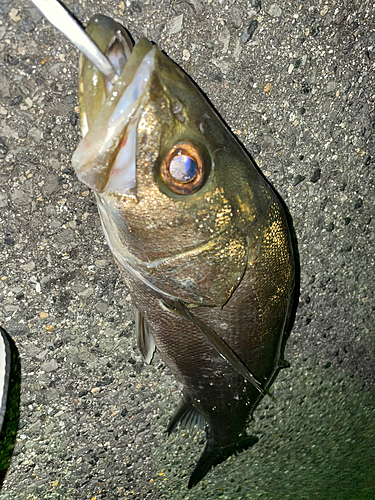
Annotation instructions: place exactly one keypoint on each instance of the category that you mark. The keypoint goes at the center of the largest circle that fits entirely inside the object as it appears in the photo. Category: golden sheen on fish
(200, 237)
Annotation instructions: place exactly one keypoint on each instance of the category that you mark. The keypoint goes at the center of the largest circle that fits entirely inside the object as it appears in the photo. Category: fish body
(201, 238)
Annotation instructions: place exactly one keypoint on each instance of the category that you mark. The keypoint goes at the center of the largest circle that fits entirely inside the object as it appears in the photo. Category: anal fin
(187, 416)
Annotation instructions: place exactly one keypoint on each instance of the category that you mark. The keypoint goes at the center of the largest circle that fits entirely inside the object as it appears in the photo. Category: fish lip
(95, 157)
(122, 172)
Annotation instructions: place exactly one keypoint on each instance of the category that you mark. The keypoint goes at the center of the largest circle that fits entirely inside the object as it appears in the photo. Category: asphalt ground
(295, 82)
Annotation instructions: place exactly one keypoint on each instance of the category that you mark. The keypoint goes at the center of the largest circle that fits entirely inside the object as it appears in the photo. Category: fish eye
(182, 169)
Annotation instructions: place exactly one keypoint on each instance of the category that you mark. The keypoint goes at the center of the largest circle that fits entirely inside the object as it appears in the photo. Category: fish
(202, 240)
(10, 385)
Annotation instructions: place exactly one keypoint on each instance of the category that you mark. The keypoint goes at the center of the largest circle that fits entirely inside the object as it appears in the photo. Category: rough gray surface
(297, 86)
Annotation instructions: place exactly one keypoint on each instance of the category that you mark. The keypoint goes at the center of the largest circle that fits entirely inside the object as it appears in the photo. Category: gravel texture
(295, 82)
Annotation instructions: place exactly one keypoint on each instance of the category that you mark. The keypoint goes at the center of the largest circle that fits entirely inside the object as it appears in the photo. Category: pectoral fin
(216, 341)
(145, 340)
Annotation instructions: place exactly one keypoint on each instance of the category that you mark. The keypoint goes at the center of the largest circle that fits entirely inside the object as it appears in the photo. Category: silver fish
(201, 238)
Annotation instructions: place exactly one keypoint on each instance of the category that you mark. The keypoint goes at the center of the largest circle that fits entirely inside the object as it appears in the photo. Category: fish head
(174, 188)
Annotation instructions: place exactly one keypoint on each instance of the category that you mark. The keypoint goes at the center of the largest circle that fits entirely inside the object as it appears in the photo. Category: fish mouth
(105, 159)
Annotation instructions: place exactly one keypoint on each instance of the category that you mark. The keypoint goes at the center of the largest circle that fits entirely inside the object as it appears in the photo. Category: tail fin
(213, 455)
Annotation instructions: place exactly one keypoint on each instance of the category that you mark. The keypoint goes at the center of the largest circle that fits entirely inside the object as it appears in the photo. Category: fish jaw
(105, 159)
(109, 36)
(110, 113)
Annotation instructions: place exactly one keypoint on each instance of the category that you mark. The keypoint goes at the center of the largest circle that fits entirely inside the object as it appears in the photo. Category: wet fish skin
(219, 260)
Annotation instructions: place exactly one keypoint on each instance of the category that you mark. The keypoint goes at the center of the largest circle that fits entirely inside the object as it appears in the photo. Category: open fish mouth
(105, 159)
